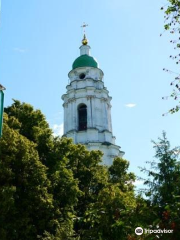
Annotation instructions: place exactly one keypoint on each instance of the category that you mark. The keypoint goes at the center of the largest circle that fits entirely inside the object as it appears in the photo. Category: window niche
(82, 117)
(82, 76)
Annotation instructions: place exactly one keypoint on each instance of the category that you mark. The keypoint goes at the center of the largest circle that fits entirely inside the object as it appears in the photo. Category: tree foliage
(53, 189)
(31, 124)
(172, 24)
(164, 187)
(26, 204)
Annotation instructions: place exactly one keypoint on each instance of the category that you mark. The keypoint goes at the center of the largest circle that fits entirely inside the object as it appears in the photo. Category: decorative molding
(65, 104)
(71, 100)
(104, 99)
(90, 96)
(94, 143)
(71, 131)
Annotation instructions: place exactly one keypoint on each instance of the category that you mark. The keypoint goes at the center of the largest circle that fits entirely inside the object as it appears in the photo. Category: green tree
(104, 193)
(31, 124)
(107, 216)
(65, 187)
(87, 200)
(71, 169)
(53, 154)
(172, 24)
(26, 206)
(164, 187)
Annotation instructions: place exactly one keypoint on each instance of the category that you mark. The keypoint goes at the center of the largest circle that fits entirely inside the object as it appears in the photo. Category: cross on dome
(84, 27)
(84, 41)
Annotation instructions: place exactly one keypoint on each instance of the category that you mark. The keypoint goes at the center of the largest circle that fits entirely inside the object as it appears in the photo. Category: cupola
(85, 60)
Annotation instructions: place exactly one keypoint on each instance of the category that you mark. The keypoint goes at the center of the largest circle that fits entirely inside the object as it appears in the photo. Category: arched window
(82, 116)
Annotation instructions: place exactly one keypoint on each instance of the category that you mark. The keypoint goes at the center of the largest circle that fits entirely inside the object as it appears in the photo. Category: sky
(40, 39)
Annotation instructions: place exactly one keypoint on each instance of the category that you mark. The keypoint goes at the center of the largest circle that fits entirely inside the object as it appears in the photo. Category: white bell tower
(87, 107)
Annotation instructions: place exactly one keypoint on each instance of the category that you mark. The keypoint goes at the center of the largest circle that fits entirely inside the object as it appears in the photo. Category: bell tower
(87, 107)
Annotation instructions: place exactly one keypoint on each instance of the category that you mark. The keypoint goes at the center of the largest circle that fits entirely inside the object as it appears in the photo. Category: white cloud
(20, 50)
(58, 129)
(138, 182)
(130, 105)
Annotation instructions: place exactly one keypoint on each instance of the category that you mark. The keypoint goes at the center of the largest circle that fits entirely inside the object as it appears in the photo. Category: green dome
(85, 61)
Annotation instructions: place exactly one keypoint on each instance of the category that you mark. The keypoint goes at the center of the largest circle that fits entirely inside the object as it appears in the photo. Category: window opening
(82, 76)
(82, 116)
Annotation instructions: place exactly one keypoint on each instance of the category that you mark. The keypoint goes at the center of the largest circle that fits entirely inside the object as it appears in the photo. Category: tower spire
(84, 40)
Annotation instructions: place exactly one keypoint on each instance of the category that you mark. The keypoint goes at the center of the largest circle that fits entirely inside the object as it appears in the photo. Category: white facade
(87, 89)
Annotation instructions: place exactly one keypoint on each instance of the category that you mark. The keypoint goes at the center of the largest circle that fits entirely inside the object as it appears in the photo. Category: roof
(85, 61)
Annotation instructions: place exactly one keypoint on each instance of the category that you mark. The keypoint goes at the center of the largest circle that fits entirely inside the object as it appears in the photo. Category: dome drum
(83, 73)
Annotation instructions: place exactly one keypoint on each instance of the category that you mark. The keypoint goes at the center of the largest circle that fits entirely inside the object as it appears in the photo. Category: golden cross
(84, 27)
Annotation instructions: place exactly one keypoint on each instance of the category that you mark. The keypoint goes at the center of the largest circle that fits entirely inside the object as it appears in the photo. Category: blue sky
(40, 39)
